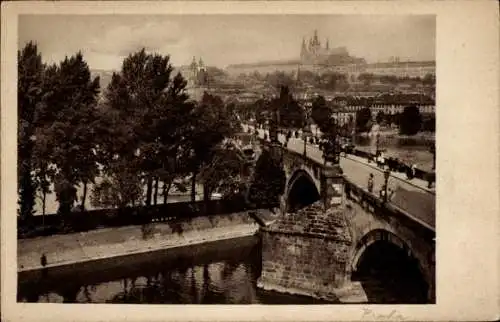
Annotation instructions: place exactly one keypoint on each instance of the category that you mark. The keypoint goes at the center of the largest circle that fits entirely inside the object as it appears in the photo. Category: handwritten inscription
(393, 315)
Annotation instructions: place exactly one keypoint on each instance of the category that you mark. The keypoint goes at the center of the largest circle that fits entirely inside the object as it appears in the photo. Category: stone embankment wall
(98, 244)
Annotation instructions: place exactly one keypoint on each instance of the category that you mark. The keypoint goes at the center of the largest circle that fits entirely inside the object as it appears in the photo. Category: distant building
(197, 73)
(402, 69)
(196, 76)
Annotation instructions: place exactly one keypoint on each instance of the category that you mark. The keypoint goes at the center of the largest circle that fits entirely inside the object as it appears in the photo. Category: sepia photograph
(226, 159)
(262, 158)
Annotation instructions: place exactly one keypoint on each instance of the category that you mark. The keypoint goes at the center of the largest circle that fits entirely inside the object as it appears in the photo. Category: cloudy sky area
(225, 39)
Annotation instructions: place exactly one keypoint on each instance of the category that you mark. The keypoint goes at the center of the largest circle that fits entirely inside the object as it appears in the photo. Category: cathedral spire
(303, 50)
(194, 65)
(201, 65)
(316, 40)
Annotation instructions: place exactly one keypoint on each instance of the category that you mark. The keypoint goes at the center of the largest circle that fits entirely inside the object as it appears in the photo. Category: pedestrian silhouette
(370, 183)
(43, 260)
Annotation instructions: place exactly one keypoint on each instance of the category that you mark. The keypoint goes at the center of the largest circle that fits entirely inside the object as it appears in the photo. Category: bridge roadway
(413, 197)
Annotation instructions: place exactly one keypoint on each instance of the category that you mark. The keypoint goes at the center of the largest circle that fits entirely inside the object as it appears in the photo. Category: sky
(105, 40)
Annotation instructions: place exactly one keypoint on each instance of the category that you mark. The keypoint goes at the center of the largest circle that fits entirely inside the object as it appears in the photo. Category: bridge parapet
(417, 204)
(373, 204)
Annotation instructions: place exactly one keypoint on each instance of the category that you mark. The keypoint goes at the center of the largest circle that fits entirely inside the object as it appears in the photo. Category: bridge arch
(301, 191)
(384, 261)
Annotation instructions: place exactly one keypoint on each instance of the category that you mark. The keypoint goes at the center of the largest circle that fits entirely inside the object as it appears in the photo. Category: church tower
(201, 65)
(303, 51)
(193, 72)
(316, 43)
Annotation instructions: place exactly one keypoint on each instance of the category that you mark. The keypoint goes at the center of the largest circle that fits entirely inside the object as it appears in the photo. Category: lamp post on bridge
(387, 173)
(306, 128)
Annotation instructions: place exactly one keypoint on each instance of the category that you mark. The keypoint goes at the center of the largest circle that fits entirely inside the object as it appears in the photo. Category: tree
(269, 181)
(410, 121)
(223, 173)
(29, 95)
(429, 79)
(320, 113)
(290, 112)
(68, 115)
(118, 189)
(147, 122)
(363, 118)
(45, 169)
(211, 124)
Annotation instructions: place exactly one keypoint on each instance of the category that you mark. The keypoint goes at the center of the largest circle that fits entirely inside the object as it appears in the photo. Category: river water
(224, 272)
(218, 273)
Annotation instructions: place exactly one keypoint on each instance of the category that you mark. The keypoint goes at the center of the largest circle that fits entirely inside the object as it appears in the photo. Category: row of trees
(141, 131)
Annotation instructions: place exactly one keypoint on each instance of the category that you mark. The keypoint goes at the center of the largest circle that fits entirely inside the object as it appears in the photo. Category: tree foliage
(291, 114)
(223, 173)
(269, 181)
(212, 122)
(320, 113)
(145, 124)
(363, 118)
(410, 121)
(68, 117)
(29, 96)
(144, 130)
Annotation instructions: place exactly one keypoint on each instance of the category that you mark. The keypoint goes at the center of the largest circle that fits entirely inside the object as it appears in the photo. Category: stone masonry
(307, 253)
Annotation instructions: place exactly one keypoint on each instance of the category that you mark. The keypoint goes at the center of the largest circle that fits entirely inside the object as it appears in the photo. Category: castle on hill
(313, 53)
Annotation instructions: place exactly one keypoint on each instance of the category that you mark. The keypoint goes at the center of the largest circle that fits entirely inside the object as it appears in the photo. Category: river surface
(224, 272)
(220, 273)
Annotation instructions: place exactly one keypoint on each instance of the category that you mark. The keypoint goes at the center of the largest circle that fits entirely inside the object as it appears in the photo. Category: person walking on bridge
(370, 183)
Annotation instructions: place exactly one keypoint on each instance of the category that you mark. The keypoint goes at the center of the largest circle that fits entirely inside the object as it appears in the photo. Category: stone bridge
(374, 229)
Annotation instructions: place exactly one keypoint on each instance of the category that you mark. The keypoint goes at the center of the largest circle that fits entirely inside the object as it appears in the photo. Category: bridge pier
(308, 252)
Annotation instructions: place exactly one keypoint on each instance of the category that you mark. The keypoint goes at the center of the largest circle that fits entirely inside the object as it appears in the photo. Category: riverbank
(77, 248)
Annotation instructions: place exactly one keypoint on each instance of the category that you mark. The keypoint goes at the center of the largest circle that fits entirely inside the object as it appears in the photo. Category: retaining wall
(98, 244)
